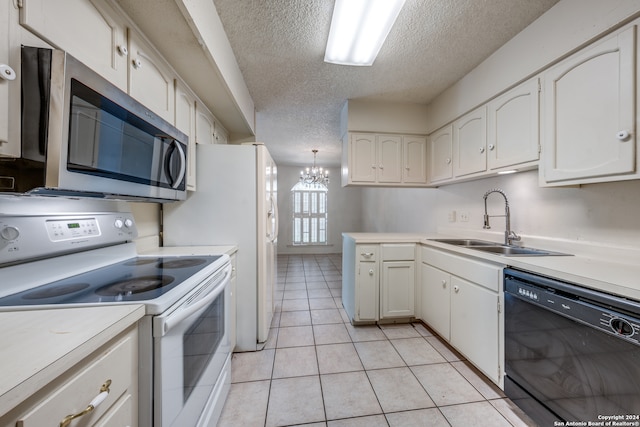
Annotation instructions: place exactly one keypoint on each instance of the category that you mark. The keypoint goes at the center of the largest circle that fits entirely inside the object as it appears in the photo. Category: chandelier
(314, 175)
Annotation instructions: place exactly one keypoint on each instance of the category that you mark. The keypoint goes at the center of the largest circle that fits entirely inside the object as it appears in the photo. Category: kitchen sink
(497, 248)
(465, 242)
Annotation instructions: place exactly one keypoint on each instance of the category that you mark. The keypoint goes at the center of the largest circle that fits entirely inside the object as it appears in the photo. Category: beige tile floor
(319, 370)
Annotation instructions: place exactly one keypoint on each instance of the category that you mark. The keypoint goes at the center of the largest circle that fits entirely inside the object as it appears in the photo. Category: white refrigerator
(235, 203)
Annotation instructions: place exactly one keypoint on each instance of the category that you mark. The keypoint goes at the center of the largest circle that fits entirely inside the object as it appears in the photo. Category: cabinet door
(389, 158)
(397, 289)
(589, 103)
(414, 153)
(474, 325)
(205, 125)
(440, 154)
(470, 143)
(367, 291)
(362, 158)
(91, 31)
(436, 299)
(185, 120)
(512, 126)
(151, 80)
(9, 84)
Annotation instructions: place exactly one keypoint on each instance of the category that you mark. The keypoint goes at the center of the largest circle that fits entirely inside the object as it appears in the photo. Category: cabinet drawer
(398, 252)
(367, 252)
(481, 273)
(74, 394)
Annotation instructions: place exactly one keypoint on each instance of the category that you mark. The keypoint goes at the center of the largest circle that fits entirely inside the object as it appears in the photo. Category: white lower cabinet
(112, 369)
(378, 281)
(474, 325)
(461, 300)
(436, 299)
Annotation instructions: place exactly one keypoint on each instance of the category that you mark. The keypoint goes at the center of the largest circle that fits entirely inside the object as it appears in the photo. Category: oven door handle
(163, 324)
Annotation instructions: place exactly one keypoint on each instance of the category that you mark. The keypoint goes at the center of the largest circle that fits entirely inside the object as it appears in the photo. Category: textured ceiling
(279, 45)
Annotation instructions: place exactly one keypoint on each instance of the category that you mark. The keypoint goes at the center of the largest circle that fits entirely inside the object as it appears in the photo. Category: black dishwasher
(571, 353)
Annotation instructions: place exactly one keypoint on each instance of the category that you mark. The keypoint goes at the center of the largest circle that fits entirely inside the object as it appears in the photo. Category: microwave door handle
(163, 324)
(183, 164)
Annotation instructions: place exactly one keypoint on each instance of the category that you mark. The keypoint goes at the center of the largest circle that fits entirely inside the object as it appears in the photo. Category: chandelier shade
(314, 175)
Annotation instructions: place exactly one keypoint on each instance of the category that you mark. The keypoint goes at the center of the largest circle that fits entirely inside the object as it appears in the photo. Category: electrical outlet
(451, 216)
(464, 216)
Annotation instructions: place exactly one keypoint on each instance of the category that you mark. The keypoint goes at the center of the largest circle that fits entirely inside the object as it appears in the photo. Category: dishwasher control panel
(594, 313)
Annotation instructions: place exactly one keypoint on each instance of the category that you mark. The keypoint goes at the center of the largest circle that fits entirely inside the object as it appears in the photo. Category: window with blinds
(309, 214)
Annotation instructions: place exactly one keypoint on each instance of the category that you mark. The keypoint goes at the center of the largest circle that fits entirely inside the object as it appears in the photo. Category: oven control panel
(40, 236)
(72, 229)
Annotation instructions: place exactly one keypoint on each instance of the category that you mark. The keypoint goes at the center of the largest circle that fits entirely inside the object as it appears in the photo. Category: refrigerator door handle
(272, 215)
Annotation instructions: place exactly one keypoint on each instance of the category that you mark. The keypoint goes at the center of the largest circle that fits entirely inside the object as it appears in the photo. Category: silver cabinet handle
(371, 272)
(448, 161)
(456, 289)
(367, 254)
(122, 50)
(137, 64)
(444, 283)
(481, 150)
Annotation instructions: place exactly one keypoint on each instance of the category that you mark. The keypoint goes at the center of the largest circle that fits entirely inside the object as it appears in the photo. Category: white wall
(344, 204)
(607, 213)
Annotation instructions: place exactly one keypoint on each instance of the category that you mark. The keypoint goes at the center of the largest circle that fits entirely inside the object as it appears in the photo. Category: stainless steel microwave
(82, 136)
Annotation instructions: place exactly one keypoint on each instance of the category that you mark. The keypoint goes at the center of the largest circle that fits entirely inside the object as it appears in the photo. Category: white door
(151, 81)
(91, 31)
(470, 143)
(389, 156)
(435, 299)
(414, 152)
(512, 126)
(397, 289)
(590, 112)
(440, 154)
(362, 158)
(267, 239)
(474, 325)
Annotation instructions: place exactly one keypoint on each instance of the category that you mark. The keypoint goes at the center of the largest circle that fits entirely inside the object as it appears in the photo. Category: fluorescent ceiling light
(358, 30)
(507, 172)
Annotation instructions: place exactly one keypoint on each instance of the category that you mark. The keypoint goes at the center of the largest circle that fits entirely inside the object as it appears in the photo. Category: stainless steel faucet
(509, 235)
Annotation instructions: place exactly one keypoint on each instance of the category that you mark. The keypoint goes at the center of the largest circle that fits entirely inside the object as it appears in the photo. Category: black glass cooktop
(134, 279)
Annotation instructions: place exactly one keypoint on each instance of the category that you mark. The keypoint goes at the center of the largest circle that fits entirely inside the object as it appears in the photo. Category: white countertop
(616, 275)
(190, 250)
(40, 345)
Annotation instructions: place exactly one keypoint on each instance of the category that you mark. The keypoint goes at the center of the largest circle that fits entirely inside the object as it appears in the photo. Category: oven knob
(9, 233)
(621, 327)
(128, 223)
(118, 223)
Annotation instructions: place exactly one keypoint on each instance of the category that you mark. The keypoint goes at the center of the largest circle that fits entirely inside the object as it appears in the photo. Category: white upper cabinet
(151, 80)
(414, 150)
(362, 157)
(513, 126)
(440, 155)
(389, 158)
(384, 159)
(205, 125)
(9, 85)
(185, 120)
(470, 143)
(91, 31)
(589, 114)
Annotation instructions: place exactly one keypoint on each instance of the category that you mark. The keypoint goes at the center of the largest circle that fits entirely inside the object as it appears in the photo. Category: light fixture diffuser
(358, 30)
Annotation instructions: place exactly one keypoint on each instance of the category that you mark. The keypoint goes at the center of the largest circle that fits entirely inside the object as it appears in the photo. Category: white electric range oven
(67, 259)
